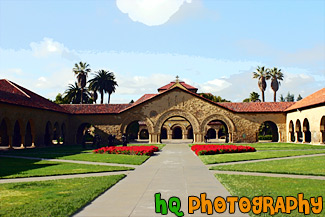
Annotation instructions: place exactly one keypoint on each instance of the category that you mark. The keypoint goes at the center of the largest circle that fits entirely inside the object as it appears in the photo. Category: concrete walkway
(174, 172)
(71, 161)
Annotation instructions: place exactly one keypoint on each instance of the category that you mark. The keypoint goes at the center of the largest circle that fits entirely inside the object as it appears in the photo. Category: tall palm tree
(103, 82)
(81, 70)
(262, 74)
(112, 86)
(73, 94)
(276, 77)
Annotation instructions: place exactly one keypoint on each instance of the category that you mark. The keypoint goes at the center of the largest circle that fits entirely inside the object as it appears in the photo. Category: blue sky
(211, 44)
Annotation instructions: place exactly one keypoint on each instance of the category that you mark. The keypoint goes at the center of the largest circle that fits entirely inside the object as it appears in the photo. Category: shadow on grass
(13, 166)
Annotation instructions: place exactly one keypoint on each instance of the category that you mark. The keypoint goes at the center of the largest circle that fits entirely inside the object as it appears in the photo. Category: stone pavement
(175, 171)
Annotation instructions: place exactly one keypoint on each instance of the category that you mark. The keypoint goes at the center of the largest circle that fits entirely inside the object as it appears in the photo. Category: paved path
(268, 159)
(71, 161)
(46, 178)
(174, 172)
(268, 174)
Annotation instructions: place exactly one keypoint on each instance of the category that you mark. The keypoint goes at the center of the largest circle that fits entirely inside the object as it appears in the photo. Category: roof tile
(313, 99)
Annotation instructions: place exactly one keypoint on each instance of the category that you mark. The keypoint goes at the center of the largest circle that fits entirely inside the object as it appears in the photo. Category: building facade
(175, 112)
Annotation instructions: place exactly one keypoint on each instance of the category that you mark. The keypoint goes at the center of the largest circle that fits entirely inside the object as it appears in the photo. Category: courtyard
(71, 181)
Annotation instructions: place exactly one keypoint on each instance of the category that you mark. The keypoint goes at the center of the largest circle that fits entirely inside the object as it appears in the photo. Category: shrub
(128, 150)
(220, 149)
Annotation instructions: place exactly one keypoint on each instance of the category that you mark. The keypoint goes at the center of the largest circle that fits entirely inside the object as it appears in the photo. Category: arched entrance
(217, 131)
(177, 133)
(4, 138)
(144, 134)
(212, 133)
(162, 121)
(306, 130)
(163, 134)
(48, 134)
(28, 135)
(56, 133)
(291, 132)
(299, 132)
(222, 124)
(63, 133)
(85, 132)
(268, 131)
(322, 130)
(132, 130)
(189, 133)
(16, 140)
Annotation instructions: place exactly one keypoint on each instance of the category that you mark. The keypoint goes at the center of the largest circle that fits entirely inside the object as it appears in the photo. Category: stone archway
(4, 133)
(299, 134)
(228, 122)
(306, 131)
(155, 136)
(291, 136)
(322, 130)
(127, 121)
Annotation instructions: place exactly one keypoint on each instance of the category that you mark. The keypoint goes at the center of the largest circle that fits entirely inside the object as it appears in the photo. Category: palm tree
(81, 70)
(112, 86)
(254, 97)
(103, 82)
(73, 94)
(262, 74)
(276, 77)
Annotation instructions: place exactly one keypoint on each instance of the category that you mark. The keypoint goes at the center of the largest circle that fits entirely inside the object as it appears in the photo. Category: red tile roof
(95, 108)
(256, 106)
(311, 100)
(143, 98)
(14, 94)
(167, 86)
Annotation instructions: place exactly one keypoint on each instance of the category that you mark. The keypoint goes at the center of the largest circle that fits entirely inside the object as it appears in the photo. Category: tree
(112, 86)
(132, 101)
(103, 82)
(299, 97)
(213, 98)
(73, 94)
(276, 76)
(282, 99)
(59, 99)
(290, 97)
(253, 97)
(262, 74)
(81, 70)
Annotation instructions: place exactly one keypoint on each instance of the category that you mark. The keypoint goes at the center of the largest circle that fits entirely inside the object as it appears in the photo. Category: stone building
(175, 112)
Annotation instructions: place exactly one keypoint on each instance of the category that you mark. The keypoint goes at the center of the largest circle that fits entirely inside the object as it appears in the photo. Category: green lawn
(52, 198)
(274, 146)
(222, 158)
(300, 166)
(250, 186)
(17, 168)
(74, 152)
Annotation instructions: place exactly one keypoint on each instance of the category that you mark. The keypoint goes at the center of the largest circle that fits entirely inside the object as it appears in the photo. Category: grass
(52, 198)
(300, 166)
(275, 146)
(74, 152)
(222, 158)
(18, 168)
(250, 186)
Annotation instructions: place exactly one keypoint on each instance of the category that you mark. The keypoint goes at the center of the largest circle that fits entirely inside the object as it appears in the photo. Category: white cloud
(48, 47)
(214, 86)
(150, 12)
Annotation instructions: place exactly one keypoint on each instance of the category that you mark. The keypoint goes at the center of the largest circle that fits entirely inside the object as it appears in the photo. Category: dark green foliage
(59, 99)
(290, 97)
(299, 97)
(213, 98)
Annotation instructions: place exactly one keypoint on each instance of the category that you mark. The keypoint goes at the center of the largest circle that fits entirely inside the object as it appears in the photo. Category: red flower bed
(129, 150)
(220, 149)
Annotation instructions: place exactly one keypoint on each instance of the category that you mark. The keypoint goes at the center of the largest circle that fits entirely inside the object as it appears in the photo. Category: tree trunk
(82, 91)
(274, 98)
(101, 97)
(263, 100)
(109, 97)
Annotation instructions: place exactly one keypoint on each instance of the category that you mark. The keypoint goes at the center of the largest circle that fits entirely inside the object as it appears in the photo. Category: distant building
(175, 112)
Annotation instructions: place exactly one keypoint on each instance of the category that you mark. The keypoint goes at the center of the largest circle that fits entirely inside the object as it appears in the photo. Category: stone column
(297, 136)
(280, 137)
(22, 145)
(10, 141)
